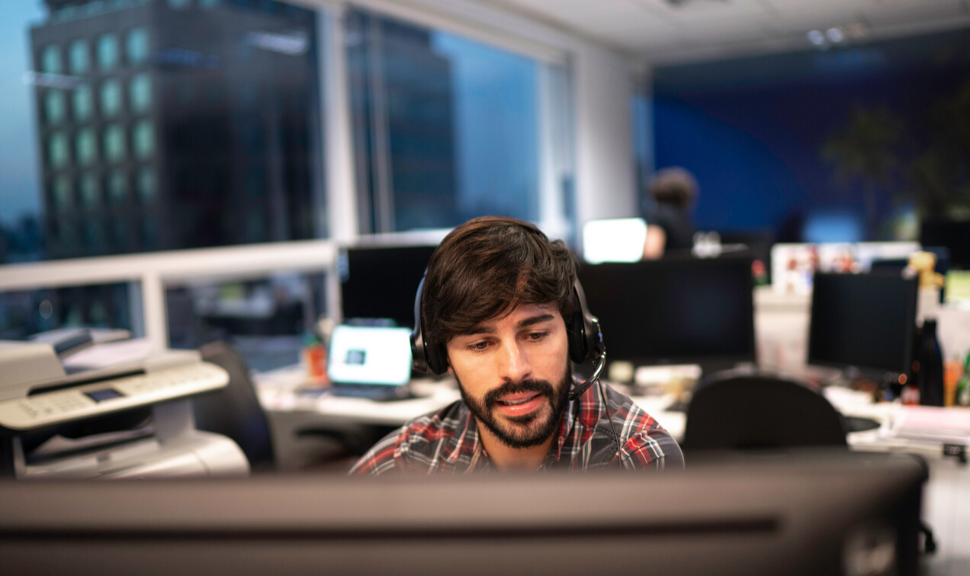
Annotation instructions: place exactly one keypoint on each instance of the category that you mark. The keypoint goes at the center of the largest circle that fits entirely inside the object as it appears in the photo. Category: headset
(584, 334)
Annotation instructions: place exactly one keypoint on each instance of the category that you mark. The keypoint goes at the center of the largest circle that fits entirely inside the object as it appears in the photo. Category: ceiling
(671, 31)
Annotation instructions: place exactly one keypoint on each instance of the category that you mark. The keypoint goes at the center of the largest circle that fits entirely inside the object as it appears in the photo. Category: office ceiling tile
(662, 30)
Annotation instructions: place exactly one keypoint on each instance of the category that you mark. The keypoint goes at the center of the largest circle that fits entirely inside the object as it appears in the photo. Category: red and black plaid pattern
(446, 441)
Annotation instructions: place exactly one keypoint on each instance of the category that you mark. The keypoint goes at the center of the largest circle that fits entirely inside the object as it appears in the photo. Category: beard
(530, 429)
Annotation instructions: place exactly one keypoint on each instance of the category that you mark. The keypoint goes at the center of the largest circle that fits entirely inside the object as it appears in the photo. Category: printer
(131, 419)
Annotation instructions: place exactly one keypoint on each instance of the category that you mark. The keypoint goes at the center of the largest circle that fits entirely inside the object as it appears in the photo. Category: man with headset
(500, 309)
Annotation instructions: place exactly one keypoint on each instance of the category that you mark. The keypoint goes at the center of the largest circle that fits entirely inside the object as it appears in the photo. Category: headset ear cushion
(577, 337)
(436, 363)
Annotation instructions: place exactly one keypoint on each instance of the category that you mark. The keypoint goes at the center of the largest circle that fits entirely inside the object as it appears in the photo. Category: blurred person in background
(672, 194)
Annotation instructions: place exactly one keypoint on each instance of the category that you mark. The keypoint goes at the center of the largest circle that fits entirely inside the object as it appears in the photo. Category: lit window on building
(117, 185)
(107, 52)
(114, 143)
(147, 185)
(119, 233)
(92, 236)
(110, 98)
(149, 233)
(143, 139)
(90, 191)
(137, 47)
(50, 60)
(140, 93)
(54, 108)
(62, 193)
(179, 4)
(79, 61)
(85, 147)
(83, 104)
(57, 150)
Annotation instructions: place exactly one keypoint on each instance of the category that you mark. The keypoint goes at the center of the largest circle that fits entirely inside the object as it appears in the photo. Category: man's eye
(535, 336)
(478, 346)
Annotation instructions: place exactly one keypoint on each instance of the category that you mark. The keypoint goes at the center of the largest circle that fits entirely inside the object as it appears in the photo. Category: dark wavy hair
(488, 266)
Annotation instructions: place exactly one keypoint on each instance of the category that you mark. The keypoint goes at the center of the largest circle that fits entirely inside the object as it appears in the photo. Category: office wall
(754, 131)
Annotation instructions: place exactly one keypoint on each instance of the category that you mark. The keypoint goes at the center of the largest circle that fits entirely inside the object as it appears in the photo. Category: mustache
(540, 386)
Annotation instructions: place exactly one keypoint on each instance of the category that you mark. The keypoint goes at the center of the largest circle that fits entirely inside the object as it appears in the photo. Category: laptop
(371, 362)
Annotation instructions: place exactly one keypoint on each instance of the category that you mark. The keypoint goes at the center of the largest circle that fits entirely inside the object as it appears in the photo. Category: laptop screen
(370, 355)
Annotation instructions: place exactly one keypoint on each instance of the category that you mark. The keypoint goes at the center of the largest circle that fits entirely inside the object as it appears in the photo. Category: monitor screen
(863, 321)
(381, 282)
(674, 311)
(370, 355)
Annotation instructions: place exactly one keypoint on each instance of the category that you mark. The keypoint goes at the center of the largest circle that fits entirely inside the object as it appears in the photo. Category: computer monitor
(380, 282)
(864, 322)
(955, 235)
(674, 311)
(837, 514)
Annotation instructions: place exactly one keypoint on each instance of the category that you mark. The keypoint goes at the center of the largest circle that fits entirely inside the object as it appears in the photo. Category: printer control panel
(111, 396)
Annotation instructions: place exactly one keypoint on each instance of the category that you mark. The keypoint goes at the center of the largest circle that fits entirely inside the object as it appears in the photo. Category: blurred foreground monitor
(812, 513)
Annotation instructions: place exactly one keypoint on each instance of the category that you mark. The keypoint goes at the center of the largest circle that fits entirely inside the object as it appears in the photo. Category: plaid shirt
(447, 441)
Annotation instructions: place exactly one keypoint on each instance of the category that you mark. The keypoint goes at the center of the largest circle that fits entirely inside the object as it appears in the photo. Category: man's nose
(515, 364)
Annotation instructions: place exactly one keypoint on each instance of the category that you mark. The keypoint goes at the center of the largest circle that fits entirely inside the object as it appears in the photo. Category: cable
(609, 417)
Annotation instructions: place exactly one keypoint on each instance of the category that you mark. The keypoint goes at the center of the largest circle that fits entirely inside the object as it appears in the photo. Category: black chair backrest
(235, 410)
(733, 411)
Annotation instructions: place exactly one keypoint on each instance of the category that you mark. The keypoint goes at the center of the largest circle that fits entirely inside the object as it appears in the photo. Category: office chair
(235, 410)
(743, 410)
(734, 410)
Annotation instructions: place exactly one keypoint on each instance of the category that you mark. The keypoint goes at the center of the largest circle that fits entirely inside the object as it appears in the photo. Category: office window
(114, 143)
(57, 152)
(143, 139)
(50, 60)
(83, 103)
(140, 93)
(117, 185)
(137, 46)
(54, 108)
(110, 98)
(85, 147)
(107, 52)
(446, 128)
(146, 185)
(62, 193)
(79, 61)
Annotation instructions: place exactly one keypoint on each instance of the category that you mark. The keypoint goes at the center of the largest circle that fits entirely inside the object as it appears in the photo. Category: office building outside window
(80, 64)
(54, 107)
(137, 46)
(83, 103)
(446, 128)
(114, 143)
(110, 98)
(57, 151)
(107, 52)
(51, 60)
(140, 93)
